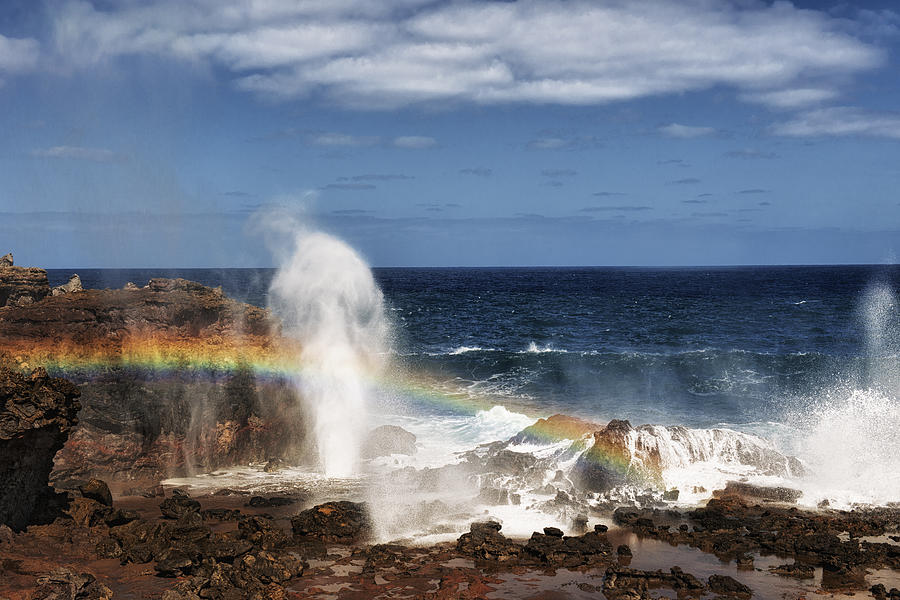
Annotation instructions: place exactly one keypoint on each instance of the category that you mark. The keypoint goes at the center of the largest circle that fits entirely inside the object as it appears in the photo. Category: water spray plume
(328, 301)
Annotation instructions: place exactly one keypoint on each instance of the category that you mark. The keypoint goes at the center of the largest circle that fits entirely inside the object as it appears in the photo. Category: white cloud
(399, 52)
(415, 142)
(792, 98)
(841, 121)
(78, 153)
(18, 55)
(677, 130)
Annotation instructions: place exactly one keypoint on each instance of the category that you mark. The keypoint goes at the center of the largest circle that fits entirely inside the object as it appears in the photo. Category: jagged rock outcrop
(36, 415)
(610, 462)
(6, 260)
(73, 285)
(167, 379)
(21, 286)
(342, 521)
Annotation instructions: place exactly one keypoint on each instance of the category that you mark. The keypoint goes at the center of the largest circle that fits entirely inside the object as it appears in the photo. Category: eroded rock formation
(36, 415)
(21, 286)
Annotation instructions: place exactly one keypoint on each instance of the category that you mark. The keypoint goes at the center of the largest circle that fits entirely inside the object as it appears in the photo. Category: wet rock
(221, 514)
(671, 495)
(798, 571)
(511, 463)
(625, 583)
(96, 489)
(37, 414)
(747, 490)
(493, 496)
(387, 440)
(273, 465)
(623, 550)
(838, 575)
(178, 504)
(271, 501)
(609, 462)
(555, 428)
(727, 586)
(485, 542)
(553, 549)
(71, 286)
(341, 522)
(262, 532)
(269, 568)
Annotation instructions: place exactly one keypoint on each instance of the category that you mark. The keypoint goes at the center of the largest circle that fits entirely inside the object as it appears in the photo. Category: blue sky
(538, 132)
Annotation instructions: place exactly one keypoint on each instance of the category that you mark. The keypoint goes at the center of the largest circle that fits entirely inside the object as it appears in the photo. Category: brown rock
(36, 416)
(20, 286)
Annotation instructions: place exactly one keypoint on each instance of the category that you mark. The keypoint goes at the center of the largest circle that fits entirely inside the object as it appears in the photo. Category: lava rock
(341, 522)
(178, 504)
(485, 542)
(37, 414)
(728, 586)
(96, 489)
(72, 285)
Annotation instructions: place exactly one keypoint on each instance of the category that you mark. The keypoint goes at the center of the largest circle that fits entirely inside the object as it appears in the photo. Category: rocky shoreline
(232, 545)
(174, 376)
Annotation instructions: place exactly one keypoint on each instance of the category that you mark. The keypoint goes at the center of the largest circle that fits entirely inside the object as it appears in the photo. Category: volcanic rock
(623, 582)
(63, 584)
(96, 489)
(20, 286)
(73, 285)
(179, 504)
(341, 522)
(36, 415)
(555, 428)
(772, 494)
(387, 440)
(6, 260)
(485, 542)
(729, 587)
(609, 462)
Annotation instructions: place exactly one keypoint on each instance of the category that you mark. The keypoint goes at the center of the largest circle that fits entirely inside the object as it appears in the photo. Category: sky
(460, 133)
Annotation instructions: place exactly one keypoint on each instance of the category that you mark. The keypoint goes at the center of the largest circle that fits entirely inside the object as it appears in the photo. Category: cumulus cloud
(77, 153)
(841, 121)
(401, 52)
(676, 130)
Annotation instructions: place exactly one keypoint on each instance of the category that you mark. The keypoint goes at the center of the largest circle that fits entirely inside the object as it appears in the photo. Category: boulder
(73, 285)
(485, 542)
(729, 587)
(341, 522)
(609, 462)
(37, 413)
(771, 494)
(179, 504)
(96, 489)
(387, 440)
(6, 260)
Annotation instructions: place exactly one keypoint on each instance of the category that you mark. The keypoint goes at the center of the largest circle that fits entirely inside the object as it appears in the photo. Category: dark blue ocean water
(695, 346)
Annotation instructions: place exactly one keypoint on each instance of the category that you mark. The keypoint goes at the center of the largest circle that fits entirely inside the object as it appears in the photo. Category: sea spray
(849, 438)
(328, 301)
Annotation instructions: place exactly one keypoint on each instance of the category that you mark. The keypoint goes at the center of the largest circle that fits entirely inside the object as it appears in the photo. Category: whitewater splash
(849, 434)
(329, 302)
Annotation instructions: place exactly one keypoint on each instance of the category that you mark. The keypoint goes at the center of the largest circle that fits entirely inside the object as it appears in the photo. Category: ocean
(806, 357)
